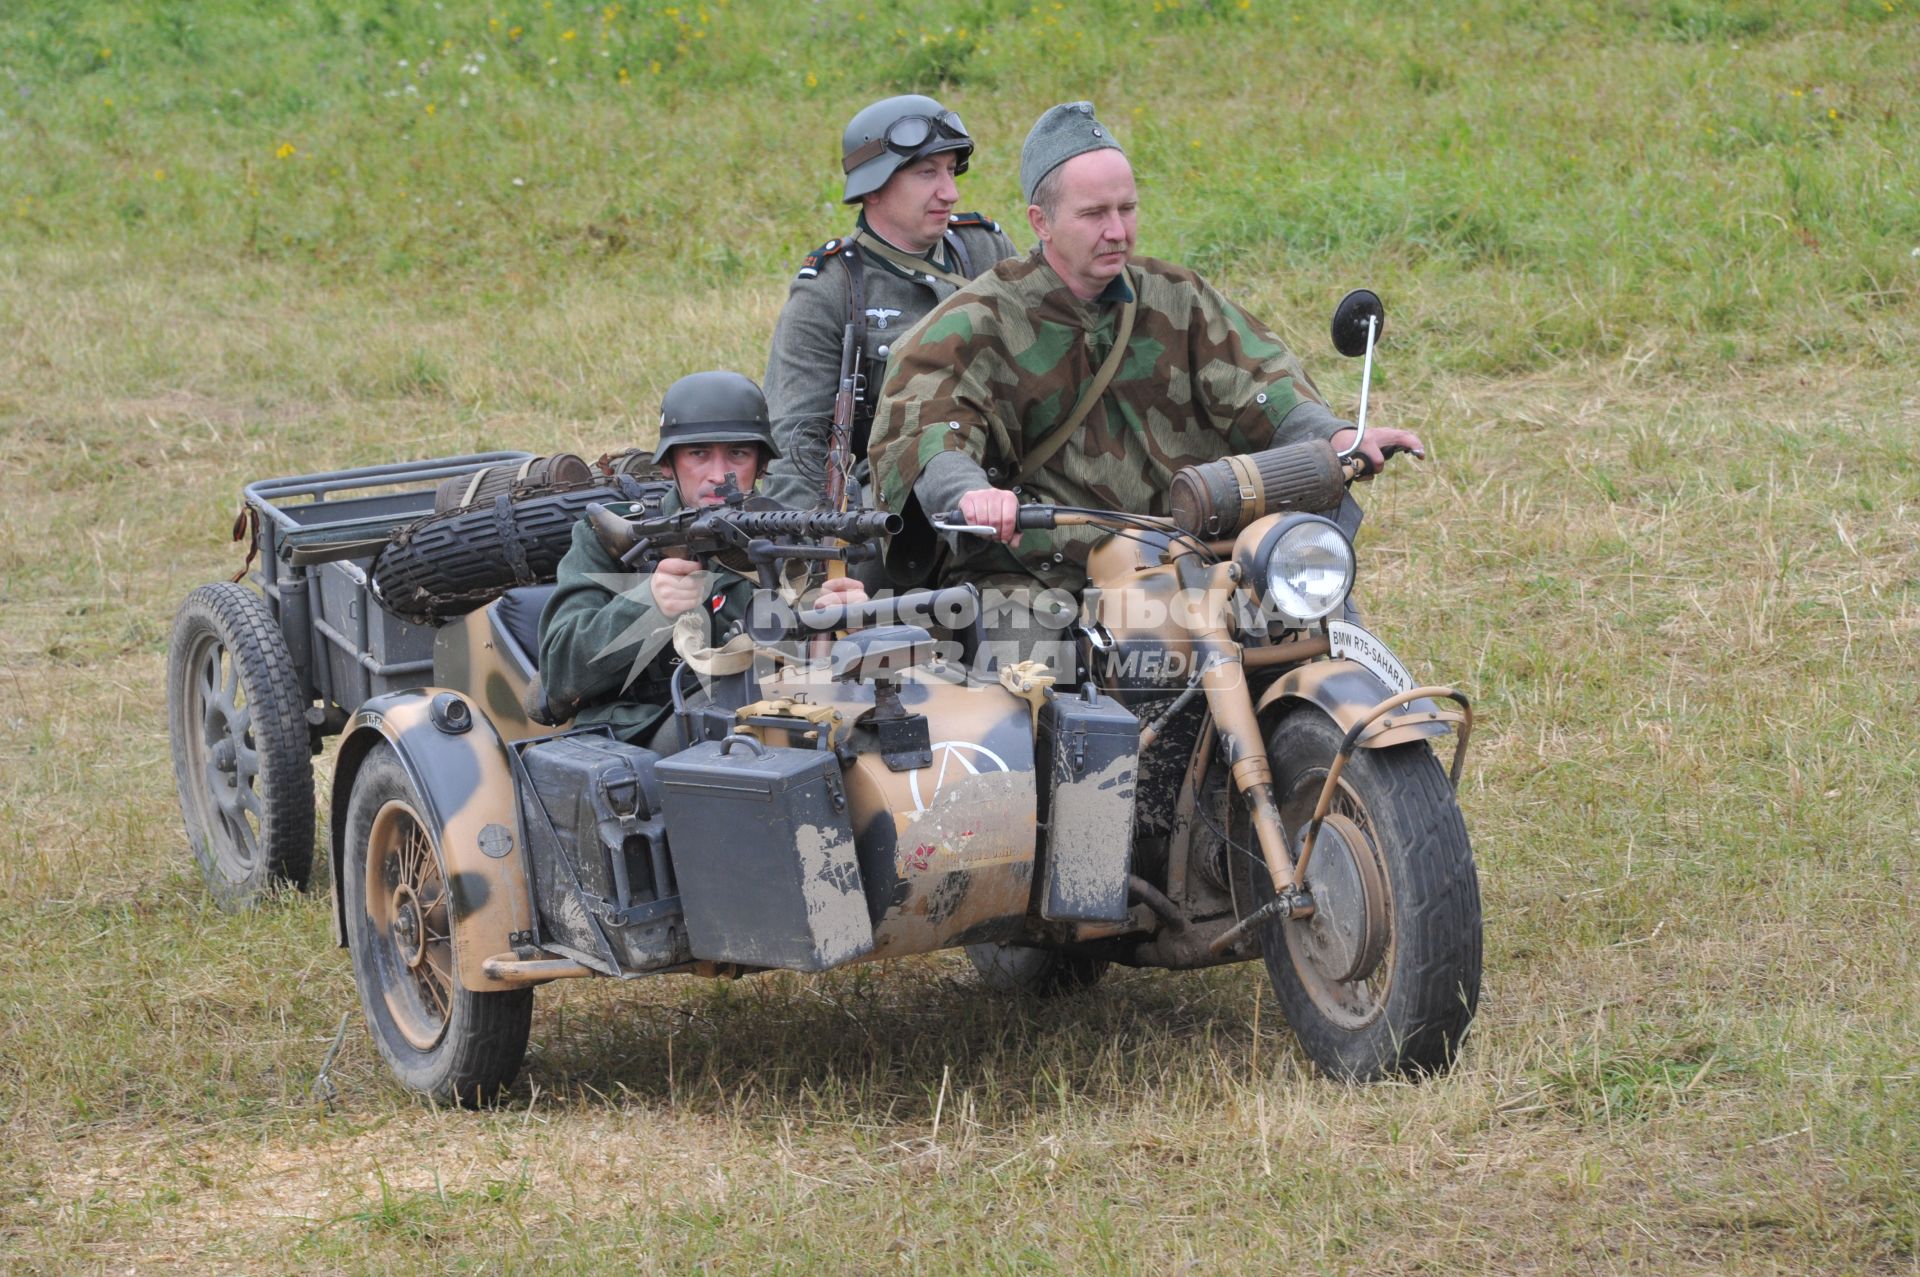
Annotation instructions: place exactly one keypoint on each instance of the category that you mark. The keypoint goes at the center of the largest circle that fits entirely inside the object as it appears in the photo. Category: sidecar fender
(1345, 692)
(464, 780)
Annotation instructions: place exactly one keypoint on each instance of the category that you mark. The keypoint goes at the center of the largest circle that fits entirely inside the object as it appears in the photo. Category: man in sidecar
(1079, 375)
(610, 637)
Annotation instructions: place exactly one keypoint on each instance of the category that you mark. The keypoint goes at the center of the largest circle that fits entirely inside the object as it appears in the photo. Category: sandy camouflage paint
(464, 782)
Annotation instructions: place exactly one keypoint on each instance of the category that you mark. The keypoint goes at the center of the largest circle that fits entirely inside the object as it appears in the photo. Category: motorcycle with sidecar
(1227, 766)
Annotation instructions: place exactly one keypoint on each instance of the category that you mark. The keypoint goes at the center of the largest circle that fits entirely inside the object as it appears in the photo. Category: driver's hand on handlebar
(678, 586)
(1380, 443)
(993, 508)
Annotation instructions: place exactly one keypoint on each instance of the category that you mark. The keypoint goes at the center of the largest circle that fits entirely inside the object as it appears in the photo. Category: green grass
(1651, 276)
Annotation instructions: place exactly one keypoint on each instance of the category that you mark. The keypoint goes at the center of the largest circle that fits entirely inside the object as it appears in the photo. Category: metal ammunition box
(602, 878)
(763, 850)
(1087, 752)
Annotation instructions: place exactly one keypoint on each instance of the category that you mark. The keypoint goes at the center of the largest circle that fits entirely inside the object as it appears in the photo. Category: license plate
(1345, 639)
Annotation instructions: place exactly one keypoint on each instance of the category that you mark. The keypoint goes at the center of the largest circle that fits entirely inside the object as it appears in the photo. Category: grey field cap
(1063, 132)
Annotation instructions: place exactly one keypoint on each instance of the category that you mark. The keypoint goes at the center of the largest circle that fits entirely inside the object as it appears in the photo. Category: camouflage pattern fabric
(606, 652)
(803, 367)
(998, 366)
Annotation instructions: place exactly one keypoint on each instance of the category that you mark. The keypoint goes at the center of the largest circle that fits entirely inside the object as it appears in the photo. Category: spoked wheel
(439, 1038)
(1383, 978)
(1036, 973)
(241, 757)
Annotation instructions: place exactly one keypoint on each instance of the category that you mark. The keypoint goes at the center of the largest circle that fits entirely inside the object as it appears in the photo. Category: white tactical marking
(965, 755)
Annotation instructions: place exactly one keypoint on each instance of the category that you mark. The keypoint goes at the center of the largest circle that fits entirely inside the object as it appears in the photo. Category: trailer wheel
(440, 1038)
(241, 754)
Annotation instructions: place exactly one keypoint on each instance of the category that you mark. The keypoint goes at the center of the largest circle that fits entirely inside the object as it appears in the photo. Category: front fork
(1245, 749)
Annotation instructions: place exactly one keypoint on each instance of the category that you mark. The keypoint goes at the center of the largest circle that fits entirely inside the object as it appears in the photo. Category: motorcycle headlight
(1309, 567)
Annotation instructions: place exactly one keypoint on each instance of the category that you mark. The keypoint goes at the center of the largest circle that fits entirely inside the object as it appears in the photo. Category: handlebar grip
(1028, 516)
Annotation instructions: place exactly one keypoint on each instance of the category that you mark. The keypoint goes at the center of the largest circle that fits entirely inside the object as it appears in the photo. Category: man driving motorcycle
(1080, 375)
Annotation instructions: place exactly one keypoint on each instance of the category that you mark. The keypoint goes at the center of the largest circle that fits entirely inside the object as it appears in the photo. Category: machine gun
(744, 533)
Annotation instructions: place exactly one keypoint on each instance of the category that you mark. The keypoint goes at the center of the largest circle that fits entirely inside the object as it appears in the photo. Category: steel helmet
(713, 407)
(893, 131)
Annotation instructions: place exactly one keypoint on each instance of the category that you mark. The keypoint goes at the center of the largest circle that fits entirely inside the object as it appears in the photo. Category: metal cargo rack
(316, 535)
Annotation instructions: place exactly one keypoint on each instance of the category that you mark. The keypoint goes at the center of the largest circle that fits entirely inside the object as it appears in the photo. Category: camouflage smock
(606, 652)
(999, 365)
(803, 366)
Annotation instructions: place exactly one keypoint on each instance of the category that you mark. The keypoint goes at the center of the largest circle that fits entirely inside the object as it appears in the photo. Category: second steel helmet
(714, 407)
(891, 132)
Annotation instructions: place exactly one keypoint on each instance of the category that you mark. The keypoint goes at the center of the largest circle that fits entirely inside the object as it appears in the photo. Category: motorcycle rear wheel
(1393, 993)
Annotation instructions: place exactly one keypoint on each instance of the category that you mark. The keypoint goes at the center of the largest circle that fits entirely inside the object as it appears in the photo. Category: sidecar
(877, 804)
(816, 820)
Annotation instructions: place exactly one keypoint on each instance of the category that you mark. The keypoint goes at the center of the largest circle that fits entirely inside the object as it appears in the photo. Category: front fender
(1345, 692)
(465, 784)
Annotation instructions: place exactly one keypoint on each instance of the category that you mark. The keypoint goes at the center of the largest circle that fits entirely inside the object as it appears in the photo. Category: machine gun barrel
(853, 525)
(696, 533)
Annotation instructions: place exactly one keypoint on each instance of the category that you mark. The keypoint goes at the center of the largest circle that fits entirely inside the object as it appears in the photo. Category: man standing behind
(908, 252)
(983, 405)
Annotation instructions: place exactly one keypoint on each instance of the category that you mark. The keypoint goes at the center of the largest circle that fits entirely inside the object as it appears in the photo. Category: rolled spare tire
(448, 564)
(521, 478)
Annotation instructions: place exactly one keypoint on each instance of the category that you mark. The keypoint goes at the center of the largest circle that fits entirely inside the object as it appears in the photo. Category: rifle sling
(908, 262)
(1095, 388)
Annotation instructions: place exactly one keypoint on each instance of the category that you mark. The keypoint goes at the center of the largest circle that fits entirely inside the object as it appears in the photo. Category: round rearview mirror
(1350, 322)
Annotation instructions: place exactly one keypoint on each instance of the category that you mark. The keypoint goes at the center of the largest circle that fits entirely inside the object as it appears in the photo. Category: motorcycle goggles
(910, 135)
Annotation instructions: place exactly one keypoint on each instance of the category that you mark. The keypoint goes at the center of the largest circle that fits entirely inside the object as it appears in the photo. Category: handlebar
(1029, 516)
(1051, 516)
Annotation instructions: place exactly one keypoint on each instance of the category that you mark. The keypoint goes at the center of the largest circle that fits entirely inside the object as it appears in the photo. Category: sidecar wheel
(241, 757)
(441, 1039)
(1035, 973)
(1383, 980)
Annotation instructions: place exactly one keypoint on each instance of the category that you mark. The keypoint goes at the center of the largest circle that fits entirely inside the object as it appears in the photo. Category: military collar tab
(981, 220)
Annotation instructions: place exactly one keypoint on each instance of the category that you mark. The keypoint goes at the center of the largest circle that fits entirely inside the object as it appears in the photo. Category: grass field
(1653, 278)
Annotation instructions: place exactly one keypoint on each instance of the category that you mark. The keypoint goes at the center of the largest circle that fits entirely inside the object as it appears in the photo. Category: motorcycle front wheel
(1384, 977)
